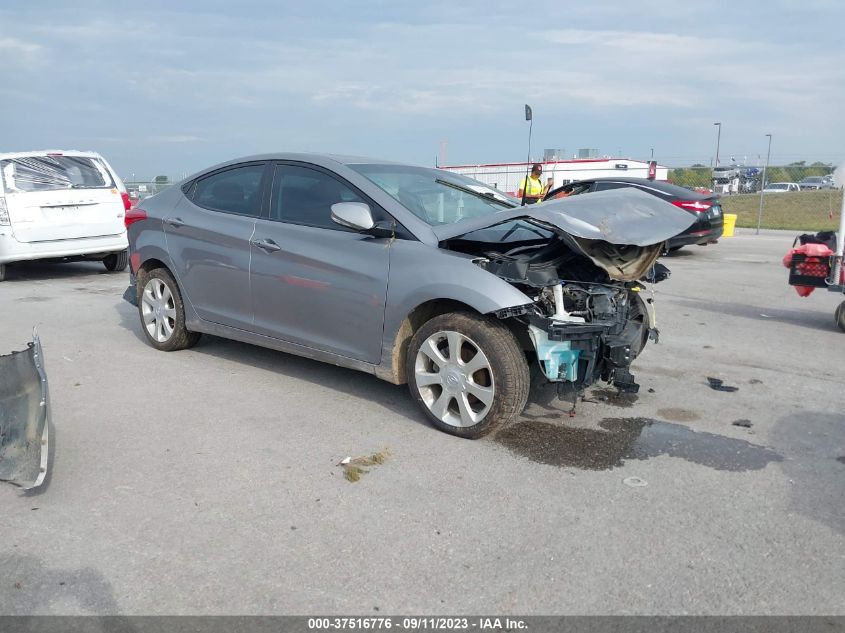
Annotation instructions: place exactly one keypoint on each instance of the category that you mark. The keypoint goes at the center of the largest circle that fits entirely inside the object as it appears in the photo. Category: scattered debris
(615, 397)
(755, 381)
(765, 316)
(746, 424)
(354, 468)
(650, 390)
(707, 347)
(24, 417)
(634, 482)
(718, 385)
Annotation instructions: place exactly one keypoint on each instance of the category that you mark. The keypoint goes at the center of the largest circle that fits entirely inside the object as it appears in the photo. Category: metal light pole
(763, 185)
(718, 138)
(652, 153)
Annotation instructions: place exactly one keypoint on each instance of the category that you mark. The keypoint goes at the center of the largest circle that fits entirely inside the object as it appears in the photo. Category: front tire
(839, 315)
(468, 373)
(163, 313)
(116, 262)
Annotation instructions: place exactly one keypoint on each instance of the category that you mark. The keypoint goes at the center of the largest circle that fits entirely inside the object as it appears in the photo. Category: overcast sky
(164, 90)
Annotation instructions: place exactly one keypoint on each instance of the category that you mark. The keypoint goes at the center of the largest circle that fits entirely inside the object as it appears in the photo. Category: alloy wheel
(158, 310)
(454, 379)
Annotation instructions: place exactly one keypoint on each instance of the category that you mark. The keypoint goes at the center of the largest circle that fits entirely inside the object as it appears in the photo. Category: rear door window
(236, 190)
(54, 172)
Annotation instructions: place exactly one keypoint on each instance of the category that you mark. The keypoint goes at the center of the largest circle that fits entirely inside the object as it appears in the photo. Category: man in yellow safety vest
(530, 188)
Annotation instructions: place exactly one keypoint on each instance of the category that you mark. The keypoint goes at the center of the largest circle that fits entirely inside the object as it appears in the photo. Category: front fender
(420, 273)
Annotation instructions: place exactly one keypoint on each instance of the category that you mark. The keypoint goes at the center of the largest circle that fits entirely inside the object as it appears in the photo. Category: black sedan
(705, 207)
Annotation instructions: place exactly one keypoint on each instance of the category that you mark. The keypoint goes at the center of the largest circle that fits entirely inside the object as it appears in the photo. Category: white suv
(63, 205)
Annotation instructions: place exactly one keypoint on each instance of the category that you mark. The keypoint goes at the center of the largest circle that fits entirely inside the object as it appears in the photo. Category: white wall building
(507, 176)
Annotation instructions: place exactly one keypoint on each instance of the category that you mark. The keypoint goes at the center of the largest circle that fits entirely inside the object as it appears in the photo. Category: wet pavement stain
(841, 459)
(615, 397)
(96, 291)
(678, 415)
(34, 299)
(622, 439)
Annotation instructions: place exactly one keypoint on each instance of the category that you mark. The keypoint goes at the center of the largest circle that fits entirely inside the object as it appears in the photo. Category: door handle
(174, 222)
(266, 245)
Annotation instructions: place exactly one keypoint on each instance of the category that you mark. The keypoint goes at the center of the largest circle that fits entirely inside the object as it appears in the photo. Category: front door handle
(266, 245)
(174, 222)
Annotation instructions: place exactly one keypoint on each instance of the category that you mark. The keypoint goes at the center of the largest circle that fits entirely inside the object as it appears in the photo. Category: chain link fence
(797, 196)
(140, 189)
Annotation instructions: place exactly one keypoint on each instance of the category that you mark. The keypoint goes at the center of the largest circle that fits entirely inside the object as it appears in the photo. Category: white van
(63, 205)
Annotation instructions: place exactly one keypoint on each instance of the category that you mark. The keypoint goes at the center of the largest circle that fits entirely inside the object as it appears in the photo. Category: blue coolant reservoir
(557, 358)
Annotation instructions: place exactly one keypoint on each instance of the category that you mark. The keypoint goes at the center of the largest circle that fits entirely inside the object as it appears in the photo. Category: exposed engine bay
(589, 318)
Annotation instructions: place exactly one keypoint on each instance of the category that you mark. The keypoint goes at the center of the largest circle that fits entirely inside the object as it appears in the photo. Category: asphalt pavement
(207, 481)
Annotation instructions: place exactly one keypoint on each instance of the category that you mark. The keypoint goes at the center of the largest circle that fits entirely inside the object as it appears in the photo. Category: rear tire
(162, 313)
(839, 315)
(468, 373)
(116, 262)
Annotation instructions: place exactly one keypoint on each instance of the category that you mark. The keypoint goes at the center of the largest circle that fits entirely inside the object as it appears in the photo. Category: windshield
(436, 196)
(812, 179)
(778, 185)
(48, 173)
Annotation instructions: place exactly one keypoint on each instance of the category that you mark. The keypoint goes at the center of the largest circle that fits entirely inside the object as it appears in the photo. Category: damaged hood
(625, 216)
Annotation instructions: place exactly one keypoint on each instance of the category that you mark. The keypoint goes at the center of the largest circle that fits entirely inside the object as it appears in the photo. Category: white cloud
(13, 45)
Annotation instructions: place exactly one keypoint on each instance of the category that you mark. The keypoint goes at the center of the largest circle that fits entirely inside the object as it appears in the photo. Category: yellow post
(730, 223)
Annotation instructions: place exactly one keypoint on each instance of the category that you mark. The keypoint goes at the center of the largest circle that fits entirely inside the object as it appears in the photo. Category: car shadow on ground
(355, 383)
(816, 320)
(47, 271)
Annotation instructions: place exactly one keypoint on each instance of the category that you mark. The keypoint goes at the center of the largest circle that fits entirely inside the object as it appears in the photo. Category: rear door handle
(174, 222)
(267, 245)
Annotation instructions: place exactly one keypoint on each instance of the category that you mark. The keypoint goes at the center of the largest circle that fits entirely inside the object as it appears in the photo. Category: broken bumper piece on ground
(24, 417)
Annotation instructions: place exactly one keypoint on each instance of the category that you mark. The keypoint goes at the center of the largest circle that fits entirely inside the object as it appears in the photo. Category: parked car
(815, 182)
(704, 207)
(781, 187)
(61, 205)
(416, 275)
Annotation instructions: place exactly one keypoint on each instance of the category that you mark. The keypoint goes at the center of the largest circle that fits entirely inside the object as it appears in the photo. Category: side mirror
(353, 215)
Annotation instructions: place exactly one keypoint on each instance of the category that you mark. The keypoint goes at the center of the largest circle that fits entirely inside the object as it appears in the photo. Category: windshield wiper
(484, 196)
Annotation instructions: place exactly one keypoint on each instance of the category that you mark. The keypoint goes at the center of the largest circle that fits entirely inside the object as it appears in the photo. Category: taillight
(696, 206)
(134, 215)
(127, 204)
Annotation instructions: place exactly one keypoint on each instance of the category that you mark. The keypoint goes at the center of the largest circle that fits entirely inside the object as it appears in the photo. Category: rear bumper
(11, 250)
(697, 234)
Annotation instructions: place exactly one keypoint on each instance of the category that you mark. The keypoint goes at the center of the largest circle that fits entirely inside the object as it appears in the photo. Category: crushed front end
(589, 318)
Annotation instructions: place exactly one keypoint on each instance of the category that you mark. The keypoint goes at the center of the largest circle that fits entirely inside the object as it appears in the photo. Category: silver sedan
(416, 275)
